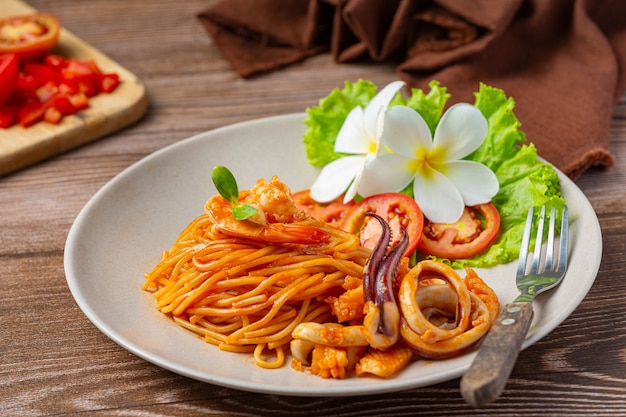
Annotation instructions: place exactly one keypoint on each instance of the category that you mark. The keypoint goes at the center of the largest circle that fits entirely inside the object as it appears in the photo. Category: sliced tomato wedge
(332, 212)
(396, 208)
(9, 73)
(29, 37)
(473, 233)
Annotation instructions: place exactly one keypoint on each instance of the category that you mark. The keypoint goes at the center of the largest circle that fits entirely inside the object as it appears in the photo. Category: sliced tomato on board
(29, 37)
(396, 208)
(332, 212)
(9, 73)
(472, 234)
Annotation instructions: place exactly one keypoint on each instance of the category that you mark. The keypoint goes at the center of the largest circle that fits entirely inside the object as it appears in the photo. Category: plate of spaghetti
(148, 224)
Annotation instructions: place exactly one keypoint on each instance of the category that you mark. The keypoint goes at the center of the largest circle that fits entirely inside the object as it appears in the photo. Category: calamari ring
(438, 302)
(413, 316)
(481, 324)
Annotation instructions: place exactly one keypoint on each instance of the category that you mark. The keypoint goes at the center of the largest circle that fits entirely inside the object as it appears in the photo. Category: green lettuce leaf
(325, 120)
(524, 179)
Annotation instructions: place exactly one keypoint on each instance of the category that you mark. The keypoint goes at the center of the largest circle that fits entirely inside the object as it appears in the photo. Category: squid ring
(480, 321)
(413, 317)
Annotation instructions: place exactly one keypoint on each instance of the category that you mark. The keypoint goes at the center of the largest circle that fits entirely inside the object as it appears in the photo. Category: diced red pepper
(52, 115)
(55, 61)
(53, 87)
(8, 115)
(46, 91)
(62, 103)
(109, 82)
(79, 101)
(43, 74)
(78, 67)
(31, 113)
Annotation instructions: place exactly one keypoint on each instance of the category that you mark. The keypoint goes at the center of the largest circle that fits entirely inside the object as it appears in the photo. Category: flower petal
(335, 177)
(405, 131)
(385, 173)
(476, 182)
(352, 137)
(438, 197)
(372, 117)
(461, 130)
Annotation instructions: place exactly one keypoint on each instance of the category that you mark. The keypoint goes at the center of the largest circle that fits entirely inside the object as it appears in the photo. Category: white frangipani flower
(359, 137)
(443, 183)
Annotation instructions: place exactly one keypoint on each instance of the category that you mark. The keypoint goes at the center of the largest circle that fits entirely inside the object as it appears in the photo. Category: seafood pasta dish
(289, 288)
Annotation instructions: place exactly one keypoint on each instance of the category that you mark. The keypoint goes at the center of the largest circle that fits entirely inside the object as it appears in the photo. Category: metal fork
(487, 376)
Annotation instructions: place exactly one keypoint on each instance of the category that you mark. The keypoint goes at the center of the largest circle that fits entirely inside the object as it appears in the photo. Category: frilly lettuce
(524, 179)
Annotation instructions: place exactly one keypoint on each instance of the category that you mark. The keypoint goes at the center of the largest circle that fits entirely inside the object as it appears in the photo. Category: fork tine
(563, 242)
(550, 248)
(534, 269)
(523, 256)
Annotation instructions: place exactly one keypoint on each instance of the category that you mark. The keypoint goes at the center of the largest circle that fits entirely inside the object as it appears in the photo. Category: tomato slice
(396, 208)
(9, 73)
(29, 37)
(332, 212)
(472, 234)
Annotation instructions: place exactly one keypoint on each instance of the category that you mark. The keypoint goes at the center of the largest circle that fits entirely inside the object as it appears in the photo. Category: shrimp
(278, 219)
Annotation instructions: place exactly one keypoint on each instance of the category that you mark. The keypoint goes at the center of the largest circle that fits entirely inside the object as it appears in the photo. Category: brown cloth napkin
(563, 61)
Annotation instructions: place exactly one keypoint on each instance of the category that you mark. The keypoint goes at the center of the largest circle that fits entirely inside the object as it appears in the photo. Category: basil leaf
(225, 182)
(243, 211)
(226, 185)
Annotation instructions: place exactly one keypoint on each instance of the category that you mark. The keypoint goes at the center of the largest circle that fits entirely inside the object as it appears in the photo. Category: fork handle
(486, 378)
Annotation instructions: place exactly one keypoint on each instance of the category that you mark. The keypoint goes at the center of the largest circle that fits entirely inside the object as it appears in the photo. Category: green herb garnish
(226, 185)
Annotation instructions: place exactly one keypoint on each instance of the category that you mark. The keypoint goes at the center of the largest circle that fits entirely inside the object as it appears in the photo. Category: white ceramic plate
(120, 234)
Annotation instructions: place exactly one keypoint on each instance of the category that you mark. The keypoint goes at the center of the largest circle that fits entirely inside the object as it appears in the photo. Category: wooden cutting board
(107, 113)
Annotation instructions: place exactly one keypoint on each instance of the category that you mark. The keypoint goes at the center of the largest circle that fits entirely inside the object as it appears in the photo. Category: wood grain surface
(54, 362)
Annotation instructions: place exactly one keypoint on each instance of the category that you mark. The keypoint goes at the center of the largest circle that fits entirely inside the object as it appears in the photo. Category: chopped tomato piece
(31, 113)
(473, 233)
(76, 67)
(79, 101)
(397, 209)
(108, 82)
(8, 115)
(9, 73)
(29, 37)
(62, 104)
(52, 115)
(42, 73)
(49, 88)
(46, 91)
(56, 62)
(332, 212)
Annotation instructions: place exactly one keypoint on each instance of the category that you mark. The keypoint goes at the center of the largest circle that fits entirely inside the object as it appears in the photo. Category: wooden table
(53, 361)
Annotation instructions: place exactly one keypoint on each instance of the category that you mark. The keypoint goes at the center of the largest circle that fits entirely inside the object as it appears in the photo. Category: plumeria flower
(443, 183)
(358, 137)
